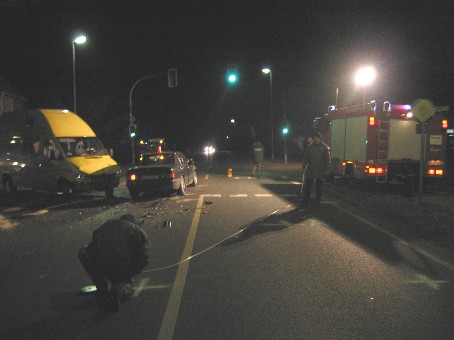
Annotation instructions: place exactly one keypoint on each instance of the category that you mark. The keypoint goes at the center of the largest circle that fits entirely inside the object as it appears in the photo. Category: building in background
(10, 98)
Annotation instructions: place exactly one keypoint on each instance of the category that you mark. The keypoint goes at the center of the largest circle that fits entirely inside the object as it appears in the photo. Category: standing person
(258, 152)
(315, 165)
(119, 250)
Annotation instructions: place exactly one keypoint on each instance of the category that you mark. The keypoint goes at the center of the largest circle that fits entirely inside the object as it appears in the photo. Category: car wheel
(65, 188)
(182, 188)
(9, 186)
(194, 182)
(109, 192)
(134, 194)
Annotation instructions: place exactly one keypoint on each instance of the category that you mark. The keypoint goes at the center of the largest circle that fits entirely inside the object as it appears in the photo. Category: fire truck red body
(384, 145)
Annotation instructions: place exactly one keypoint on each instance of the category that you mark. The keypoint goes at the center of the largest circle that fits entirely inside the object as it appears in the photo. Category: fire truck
(385, 144)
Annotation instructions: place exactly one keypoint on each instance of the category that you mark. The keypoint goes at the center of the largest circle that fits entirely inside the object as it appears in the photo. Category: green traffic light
(232, 78)
(285, 131)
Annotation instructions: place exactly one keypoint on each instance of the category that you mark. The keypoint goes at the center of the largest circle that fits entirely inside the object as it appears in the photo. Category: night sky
(313, 47)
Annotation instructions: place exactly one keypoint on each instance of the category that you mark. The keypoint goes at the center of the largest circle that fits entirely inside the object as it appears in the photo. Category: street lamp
(81, 39)
(268, 71)
(363, 77)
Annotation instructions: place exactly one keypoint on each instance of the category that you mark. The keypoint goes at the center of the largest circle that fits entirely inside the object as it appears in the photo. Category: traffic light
(232, 74)
(285, 128)
(132, 130)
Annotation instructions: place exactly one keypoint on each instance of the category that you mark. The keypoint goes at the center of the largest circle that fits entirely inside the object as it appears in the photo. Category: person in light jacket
(258, 152)
(315, 165)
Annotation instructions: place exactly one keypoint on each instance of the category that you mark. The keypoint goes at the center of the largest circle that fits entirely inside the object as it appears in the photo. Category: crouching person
(119, 250)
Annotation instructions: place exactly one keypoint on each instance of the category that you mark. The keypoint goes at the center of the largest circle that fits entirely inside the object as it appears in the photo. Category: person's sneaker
(124, 290)
(127, 289)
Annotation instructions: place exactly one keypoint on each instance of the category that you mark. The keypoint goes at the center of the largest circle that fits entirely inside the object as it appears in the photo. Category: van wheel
(9, 186)
(109, 192)
(182, 188)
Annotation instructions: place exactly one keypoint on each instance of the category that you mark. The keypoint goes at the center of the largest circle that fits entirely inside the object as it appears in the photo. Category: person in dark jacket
(315, 166)
(119, 250)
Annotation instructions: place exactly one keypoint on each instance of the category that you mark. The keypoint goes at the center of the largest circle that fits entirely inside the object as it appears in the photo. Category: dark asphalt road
(241, 260)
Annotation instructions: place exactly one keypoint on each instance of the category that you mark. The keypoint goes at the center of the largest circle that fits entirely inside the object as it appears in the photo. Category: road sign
(442, 109)
(423, 109)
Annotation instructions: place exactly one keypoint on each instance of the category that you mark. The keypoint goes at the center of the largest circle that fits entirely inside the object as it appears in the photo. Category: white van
(54, 151)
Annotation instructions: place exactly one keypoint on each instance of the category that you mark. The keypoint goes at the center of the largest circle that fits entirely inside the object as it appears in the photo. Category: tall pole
(78, 40)
(285, 118)
(131, 117)
(271, 114)
(74, 76)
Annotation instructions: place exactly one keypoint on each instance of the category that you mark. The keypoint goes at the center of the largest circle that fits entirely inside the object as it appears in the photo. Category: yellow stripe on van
(92, 164)
(67, 124)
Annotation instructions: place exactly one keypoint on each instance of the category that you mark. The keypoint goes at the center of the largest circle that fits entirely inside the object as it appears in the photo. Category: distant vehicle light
(133, 177)
(409, 115)
(209, 150)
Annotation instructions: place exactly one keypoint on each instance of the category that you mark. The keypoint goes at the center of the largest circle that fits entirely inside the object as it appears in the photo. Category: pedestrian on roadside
(119, 250)
(258, 152)
(315, 165)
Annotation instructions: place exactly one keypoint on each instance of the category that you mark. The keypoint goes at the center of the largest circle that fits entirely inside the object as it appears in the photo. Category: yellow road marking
(173, 306)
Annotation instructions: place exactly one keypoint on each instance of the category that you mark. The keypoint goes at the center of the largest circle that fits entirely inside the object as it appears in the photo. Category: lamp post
(363, 77)
(268, 71)
(81, 39)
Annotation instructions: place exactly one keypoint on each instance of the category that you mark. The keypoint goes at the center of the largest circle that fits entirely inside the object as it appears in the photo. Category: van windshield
(82, 146)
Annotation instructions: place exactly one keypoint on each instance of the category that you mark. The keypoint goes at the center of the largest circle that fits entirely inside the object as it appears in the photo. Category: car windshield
(82, 146)
(157, 159)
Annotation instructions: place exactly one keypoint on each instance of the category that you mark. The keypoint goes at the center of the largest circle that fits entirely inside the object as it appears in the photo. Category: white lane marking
(424, 280)
(238, 195)
(207, 175)
(298, 183)
(397, 238)
(171, 313)
(212, 195)
(36, 213)
(263, 195)
(143, 286)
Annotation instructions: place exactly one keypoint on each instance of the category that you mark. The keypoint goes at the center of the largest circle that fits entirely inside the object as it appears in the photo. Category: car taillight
(172, 175)
(132, 177)
(435, 172)
(375, 170)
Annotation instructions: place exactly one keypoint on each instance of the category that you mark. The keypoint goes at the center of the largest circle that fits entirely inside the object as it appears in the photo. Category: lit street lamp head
(365, 76)
(80, 39)
(266, 70)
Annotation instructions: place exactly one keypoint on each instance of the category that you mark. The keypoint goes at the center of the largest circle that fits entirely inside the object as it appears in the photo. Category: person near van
(258, 152)
(119, 250)
(315, 165)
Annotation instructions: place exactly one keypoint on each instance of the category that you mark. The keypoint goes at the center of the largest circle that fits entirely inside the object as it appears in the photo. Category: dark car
(168, 171)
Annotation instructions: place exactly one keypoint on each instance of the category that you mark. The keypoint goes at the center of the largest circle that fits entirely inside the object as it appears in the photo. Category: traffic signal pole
(172, 82)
